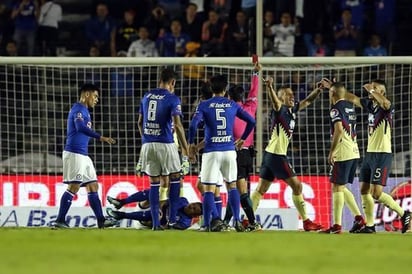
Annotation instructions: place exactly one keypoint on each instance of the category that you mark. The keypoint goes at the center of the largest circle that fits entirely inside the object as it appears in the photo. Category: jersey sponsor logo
(221, 139)
(292, 126)
(349, 110)
(352, 117)
(153, 125)
(219, 105)
(334, 113)
(153, 132)
(371, 119)
(156, 97)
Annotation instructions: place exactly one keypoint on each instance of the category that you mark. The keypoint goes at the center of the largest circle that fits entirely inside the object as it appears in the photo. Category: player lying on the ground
(185, 213)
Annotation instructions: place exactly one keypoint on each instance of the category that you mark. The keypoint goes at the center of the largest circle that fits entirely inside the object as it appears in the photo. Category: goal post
(37, 92)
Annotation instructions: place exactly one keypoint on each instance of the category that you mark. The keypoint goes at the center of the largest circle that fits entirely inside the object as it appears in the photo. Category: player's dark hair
(339, 88)
(200, 205)
(191, 4)
(167, 75)
(236, 93)
(337, 85)
(88, 87)
(218, 83)
(205, 91)
(380, 82)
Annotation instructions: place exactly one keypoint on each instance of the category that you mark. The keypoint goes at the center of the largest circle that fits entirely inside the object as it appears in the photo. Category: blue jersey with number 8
(157, 108)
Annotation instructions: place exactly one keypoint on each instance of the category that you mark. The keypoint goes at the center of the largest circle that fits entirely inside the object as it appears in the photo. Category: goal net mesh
(35, 100)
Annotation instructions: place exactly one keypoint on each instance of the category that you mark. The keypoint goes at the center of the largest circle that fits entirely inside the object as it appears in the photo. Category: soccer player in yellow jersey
(377, 162)
(343, 158)
(275, 163)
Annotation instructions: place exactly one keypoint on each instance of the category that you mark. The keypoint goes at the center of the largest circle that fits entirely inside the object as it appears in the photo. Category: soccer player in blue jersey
(159, 108)
(377, 162)
(343, 158)
(185, 211)
(275, 163)
(206, 93)
(219, 156)
(78, 168)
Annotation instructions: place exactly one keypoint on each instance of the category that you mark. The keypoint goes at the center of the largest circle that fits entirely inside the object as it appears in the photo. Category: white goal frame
(246, 61)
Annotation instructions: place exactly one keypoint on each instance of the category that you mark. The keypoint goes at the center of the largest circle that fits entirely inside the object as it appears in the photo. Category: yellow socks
(338, 202)
(300, 205)
(368, 204)
(255, 197)
(163, 193)
(390, 202)
(351, 202)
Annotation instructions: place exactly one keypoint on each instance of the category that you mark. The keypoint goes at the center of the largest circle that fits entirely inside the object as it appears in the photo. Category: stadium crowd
(209, 27)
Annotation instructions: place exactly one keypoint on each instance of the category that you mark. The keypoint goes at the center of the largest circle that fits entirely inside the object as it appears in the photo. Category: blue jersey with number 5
(157, 108)
(218, 115)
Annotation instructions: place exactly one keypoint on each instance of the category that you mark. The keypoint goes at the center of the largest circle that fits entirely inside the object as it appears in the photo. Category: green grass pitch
(122, 251)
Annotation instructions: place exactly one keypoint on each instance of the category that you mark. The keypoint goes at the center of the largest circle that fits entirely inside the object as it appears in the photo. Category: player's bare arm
(192, 152)
(276, 102)
(180, 132)
(326, 83)
(108, 140)
(377, 94)
(140, 124)
(353, 99)
(311, 97)
(337, 136)
(257, 67)
(200, 145)
(239, 144)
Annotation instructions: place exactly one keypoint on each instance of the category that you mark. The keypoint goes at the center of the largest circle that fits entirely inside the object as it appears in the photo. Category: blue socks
(137, 215)
(154, 203)
(96, 205)
(234, 201)
(65, 203)
(208, 207)
(218, 204)
(174, 195)
(136, 197)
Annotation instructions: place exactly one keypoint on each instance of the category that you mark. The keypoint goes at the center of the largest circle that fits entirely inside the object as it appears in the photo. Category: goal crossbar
(205, 61)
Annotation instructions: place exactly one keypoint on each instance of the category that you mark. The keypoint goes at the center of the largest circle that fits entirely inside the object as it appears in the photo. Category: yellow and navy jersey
(380, 123)
(283, 124)
(347, 148)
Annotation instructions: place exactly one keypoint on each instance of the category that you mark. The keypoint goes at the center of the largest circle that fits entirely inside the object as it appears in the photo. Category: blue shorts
(375, 168)
(275, 166)
(342, 173)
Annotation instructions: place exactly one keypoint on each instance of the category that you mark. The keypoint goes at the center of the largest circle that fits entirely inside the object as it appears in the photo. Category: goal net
(36, 97)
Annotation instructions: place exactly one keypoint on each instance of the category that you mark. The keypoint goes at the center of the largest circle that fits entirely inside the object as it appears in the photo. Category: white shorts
(78, 168)
(160, 159)
(220, 181)
(218, 164)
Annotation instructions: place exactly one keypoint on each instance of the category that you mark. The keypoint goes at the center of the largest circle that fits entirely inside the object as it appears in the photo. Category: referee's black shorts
(244, 163)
